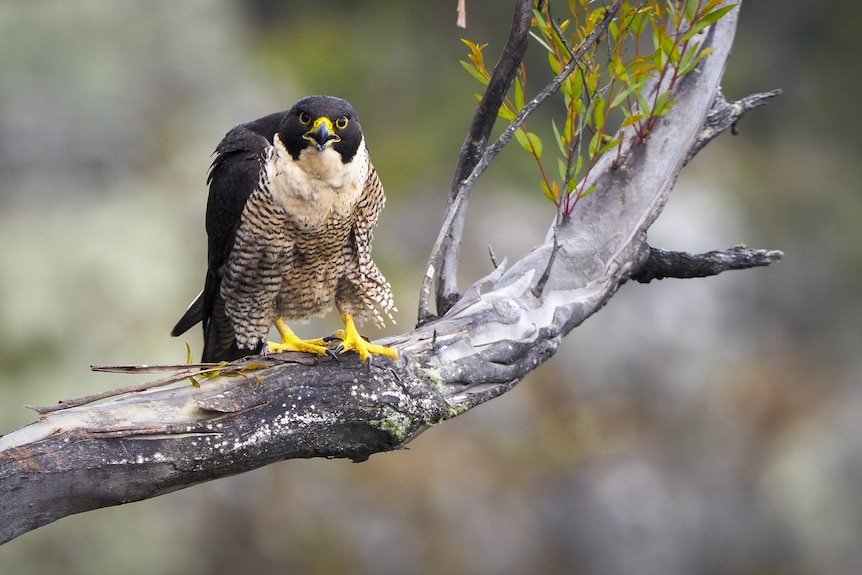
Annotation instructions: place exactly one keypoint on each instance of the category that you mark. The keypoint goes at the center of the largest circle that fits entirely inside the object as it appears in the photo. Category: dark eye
(303, 118)
(341, 122)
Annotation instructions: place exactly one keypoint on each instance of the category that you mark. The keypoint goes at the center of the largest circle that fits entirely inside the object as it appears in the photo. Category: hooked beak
(322, 134)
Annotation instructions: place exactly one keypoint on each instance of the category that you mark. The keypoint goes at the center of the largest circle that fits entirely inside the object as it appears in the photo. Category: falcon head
(316, 123)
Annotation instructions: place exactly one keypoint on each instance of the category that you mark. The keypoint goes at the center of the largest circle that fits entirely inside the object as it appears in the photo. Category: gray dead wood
(144, 444)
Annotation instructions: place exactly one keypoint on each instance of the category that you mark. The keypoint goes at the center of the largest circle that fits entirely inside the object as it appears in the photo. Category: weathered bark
(145, 444)
(662, 264)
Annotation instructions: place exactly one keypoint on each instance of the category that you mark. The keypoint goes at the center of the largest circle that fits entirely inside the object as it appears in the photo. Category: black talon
(333, 354)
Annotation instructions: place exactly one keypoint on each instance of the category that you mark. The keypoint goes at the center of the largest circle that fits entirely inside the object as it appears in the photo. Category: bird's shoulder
(234, 175)
(251, 136)
(246, 143)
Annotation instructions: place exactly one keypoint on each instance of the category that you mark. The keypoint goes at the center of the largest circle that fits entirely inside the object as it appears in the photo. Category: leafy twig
(443, 262)
(445, 251)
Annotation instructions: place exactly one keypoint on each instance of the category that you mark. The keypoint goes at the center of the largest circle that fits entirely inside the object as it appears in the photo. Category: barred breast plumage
(293, 202)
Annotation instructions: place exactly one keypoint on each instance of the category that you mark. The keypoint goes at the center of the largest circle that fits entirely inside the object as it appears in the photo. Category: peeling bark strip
(152, 442)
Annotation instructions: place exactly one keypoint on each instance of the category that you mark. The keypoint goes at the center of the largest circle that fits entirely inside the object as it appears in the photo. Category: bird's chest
(316, 191)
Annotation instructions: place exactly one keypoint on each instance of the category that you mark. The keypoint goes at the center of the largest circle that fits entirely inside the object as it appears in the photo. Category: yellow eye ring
(341, 122)
(304, 119)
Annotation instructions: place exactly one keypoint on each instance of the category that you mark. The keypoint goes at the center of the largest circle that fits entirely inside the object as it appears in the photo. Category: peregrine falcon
(293, 199)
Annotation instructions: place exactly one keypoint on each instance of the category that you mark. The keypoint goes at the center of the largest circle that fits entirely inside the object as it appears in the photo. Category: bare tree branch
(725, 115)
(152, 442)
(663, 264)
(443, 269)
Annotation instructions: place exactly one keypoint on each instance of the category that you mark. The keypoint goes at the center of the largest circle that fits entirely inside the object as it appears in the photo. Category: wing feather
(233, 177)
(366, 292)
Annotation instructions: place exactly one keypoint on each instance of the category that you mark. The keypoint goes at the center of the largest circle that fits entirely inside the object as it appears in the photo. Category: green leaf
(595, 142)
(633, 119)
(690, 9)
(541, 42)
(609, 145)
(659, 59)
(717, 14)
(554, 62)
(561, 142)
(559, 45)
(689, 60)
(687, 66)
(553, 192)
(540, 22)
(573, 183)
(621, 96)
(638, 24)
(562, 167)
(695, 29)
(661, 104)
(536, 142)
(522, 138)
(507, 113)
(708, 19)
(617, 67)
(519, 94)
(672, 13)
(643, 103)
(564, 25)
(570, 129)
(577, 85)
(667, 44)
(599, 112)
(589, 191)
(641, 68)
(474, 71)
(592, 79)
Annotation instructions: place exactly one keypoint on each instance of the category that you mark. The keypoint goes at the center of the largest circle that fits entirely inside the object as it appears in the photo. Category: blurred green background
(710, 426)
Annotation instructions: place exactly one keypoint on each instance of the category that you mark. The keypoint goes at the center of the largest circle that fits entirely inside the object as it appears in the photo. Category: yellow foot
(291, 342)
(352, 341)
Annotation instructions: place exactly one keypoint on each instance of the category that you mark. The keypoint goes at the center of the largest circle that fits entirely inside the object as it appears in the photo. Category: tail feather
(193, 315)
(220, 339)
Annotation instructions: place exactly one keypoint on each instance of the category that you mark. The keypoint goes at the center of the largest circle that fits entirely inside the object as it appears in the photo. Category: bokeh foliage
(690, 427)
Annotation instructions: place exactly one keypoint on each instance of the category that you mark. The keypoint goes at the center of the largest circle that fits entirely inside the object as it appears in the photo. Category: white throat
(317, 185)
